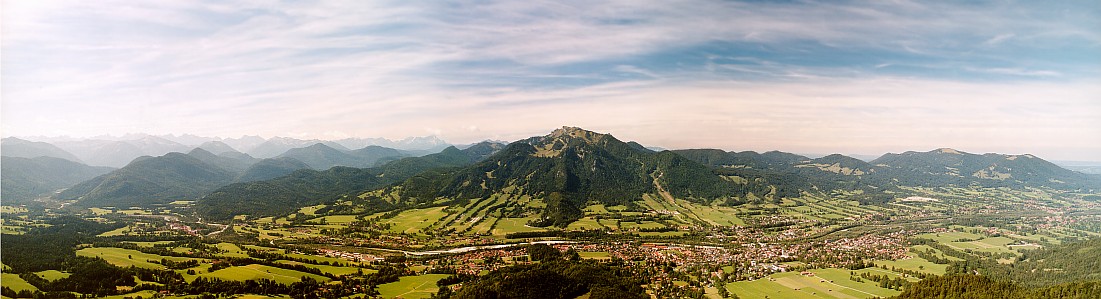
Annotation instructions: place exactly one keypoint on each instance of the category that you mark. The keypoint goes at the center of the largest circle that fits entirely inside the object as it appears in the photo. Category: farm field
(421, 286)
(914, 263)
(414, 221)
(127, 257)
(254, 271)
(825, 283)
(334, 270)
(15, 283)
(51, 274)
(514, 225)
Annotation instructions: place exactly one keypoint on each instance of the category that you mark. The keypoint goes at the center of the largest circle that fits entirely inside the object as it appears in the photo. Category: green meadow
(254, 271)
(15, 283)
(127, 257)
(421, 286)
(825, 283)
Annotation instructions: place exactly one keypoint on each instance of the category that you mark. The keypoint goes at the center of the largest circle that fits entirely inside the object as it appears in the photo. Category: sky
(853, 77)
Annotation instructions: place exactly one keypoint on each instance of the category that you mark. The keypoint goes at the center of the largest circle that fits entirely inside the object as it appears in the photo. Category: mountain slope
(270, 168)
(25, 179)
(321, 156)
(229, 161)
(15, 147)
(570, 168)
(154, 180)
(278, 145)
(951, 167)
(373, 154)
(217, 147)
(285, 194)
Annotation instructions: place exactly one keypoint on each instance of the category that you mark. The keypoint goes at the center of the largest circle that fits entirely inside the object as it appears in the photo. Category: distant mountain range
(572, 168)
(565, 171)
(15, 147)
(155, 170)
(118, 151)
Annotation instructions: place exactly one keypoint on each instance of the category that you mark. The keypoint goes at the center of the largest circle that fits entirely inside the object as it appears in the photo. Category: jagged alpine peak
(552, 145)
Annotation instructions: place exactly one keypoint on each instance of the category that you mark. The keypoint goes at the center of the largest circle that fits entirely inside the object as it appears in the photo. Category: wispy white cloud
(753, 75)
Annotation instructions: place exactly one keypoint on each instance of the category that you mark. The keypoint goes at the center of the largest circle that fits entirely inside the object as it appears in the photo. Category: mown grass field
(600, 255)
(52, 275)
(117, 232)
(15, 283)
(126, 257)
(421, 286)
(254, 271)
(826, 283)
(231, 250)
(914, 264)
(413, 221)
(334, 270)
(514, 225)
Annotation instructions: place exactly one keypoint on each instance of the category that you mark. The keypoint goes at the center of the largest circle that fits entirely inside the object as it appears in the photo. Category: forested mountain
(271, 168)
(217, 147)
(153, 180)
(426, 143)
(308, 187)
(278, 145)
(15, 147)
(27, 178)
(793, 174)
(229, 161)
(571, 167)
(372, 155)
(951, 167)
(320, 156)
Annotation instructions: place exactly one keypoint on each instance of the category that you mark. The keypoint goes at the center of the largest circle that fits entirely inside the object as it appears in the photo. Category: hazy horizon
(860, 78)
(861, 156)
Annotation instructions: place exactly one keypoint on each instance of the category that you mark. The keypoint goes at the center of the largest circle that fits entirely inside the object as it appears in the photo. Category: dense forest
(982, 287)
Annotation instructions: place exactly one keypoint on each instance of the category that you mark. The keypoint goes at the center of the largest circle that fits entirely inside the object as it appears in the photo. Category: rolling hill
(156, 180)
(571, 168)
(270, 168)
(951, 167)
(25, 179)
(321, 156)
(303, 187)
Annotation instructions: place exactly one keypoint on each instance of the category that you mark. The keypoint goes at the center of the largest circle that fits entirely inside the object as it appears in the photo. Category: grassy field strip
(15, 283)
(334, 270)
(826, 283)
(52, 275)
(231, 250)
(483, 225)
(450, 218)
(127, 257)
(937, 252)
(916, 264)
(255, 271)
(421, 286)
(471, 213)
(511, 225)
(413, 221)
(585, 223)
(336, 219)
